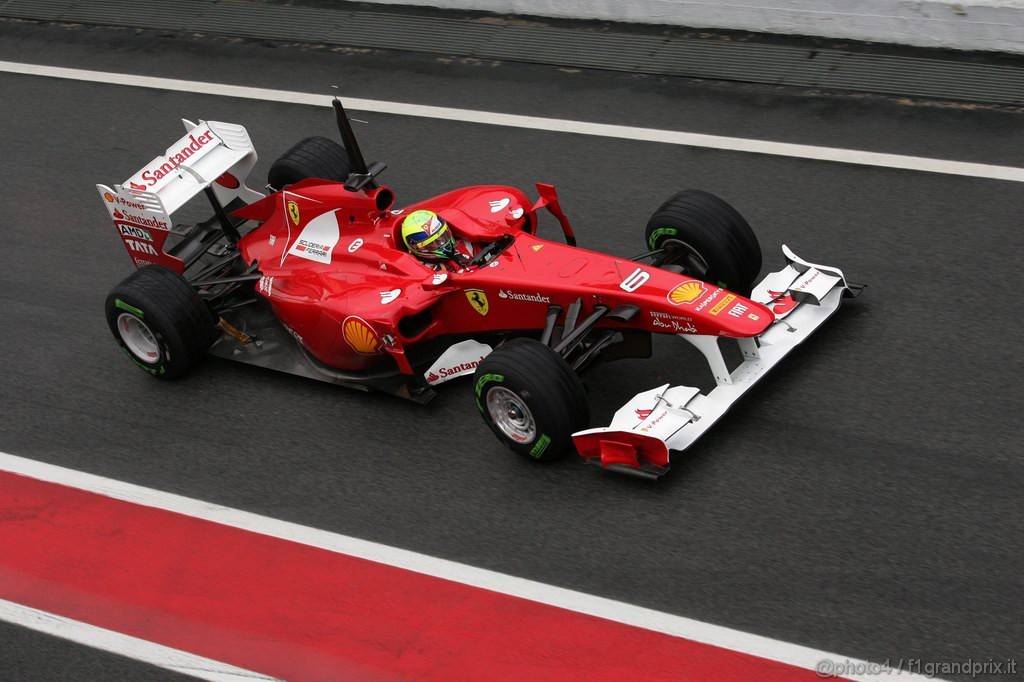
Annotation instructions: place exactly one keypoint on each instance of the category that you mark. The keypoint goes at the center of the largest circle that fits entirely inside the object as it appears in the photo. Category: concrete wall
(995, 25)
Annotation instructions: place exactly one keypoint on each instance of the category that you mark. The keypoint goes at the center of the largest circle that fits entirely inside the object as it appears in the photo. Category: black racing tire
(532, 400)
(160, 322)
(313, 157)
(705, 226)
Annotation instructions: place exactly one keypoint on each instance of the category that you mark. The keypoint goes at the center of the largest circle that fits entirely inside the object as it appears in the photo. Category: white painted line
(737, 144)
(637, 616)
(123, 645)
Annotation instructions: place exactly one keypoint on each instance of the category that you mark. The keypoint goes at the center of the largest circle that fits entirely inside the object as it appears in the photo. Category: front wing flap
(671, 418)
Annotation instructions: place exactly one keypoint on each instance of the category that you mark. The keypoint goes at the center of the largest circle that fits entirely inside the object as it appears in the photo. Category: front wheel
(707, 239)
(531, 399)
(160, 322)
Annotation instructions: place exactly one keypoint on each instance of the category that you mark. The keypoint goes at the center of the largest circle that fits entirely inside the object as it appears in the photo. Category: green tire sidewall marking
(152, 370)
(118, 303)
(540, 446)
(658, 233)
(496, 378)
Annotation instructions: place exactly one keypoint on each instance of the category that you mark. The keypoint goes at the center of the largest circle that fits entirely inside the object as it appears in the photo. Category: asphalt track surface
(864, 500)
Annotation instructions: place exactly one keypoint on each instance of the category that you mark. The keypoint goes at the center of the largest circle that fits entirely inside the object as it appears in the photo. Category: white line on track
(125, 645)
(737, 144)
(649, 619)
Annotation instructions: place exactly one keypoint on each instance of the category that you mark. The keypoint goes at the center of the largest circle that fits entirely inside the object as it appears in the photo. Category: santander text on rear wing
(670, 418)
(212, 157)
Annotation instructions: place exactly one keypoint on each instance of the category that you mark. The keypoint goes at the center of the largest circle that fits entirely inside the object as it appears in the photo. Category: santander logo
(454, 370)
(140, 220)
(193, 144)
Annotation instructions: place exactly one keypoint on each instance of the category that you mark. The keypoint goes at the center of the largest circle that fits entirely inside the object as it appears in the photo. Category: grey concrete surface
(965, 25)
(760, 57)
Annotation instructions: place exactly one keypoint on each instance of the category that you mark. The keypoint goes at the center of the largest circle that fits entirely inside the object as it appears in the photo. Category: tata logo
(139, 246)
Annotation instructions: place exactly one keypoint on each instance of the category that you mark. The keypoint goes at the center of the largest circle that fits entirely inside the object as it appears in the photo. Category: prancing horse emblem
(293, 211)
(477, 299)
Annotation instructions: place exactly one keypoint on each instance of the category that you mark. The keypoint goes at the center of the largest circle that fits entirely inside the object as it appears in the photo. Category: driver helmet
(427, 236)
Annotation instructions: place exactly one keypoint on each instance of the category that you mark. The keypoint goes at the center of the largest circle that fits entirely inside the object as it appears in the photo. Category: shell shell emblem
(360, 336)
(687, 292)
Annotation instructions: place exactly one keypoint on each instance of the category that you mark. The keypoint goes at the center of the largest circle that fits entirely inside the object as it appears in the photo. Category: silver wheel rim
(511, 415)
(138, 338)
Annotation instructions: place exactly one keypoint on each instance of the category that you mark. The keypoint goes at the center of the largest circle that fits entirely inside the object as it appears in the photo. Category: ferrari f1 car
(313, 278)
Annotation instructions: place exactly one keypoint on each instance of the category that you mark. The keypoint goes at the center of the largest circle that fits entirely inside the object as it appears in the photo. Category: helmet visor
(434, 241)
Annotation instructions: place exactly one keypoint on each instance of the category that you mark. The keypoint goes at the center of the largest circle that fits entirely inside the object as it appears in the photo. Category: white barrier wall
(996, 25)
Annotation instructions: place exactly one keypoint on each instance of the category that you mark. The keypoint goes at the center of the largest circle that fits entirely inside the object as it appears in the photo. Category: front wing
(644, 430)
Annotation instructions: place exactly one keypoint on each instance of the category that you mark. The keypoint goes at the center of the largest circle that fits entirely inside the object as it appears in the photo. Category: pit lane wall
(991, 25)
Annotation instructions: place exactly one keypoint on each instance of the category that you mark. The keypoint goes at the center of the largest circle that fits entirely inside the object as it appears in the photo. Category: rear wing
(212, 157)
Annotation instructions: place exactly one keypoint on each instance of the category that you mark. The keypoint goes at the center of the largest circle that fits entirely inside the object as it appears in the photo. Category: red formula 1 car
(314, 279)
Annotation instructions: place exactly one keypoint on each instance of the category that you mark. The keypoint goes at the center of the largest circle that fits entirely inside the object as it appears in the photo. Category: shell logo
(108, 196)
(688, 292)
(360, 336)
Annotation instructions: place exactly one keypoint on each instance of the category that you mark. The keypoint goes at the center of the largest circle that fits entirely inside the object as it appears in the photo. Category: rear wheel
(313, 157)
(531, 399)
(160, 322)
(707, 238)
